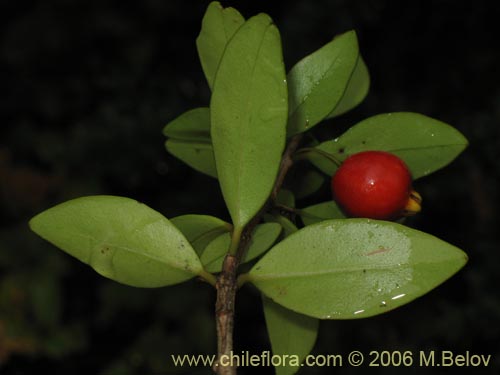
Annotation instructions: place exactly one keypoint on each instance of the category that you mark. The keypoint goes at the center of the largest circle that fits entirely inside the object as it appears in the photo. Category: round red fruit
(375, 185)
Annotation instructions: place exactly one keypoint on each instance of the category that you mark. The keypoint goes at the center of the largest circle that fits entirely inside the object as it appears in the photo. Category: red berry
(376, 185)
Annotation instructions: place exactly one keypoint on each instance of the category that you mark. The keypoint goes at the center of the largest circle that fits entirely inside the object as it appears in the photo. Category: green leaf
(263, 238)
(286, 224)
(121, 239)
(286, 198)
(192, 126)
(354, 268)
(356, 90)
(248, 117)
(198, 155)
(217, 28)
(318, 82)
(425, 144)
(190, 140)
(291, 334)
(308, 183)
(200, 230)
(319, 212)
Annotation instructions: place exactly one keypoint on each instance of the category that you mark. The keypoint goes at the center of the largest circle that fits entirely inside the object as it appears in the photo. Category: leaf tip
(465, 258)
(350, 34)
(264, 18)
(36, 223)
(32, 223)
(214, 5)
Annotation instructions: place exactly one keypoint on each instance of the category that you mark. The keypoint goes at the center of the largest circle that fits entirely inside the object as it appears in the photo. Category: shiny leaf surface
(318, 82)
(354, 268)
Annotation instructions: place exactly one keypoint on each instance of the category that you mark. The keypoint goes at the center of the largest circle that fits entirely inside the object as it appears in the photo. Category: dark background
(87, 88)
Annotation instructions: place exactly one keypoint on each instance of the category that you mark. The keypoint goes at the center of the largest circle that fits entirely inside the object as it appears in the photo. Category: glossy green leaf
(356, 90)
(286, 224)
(121, 239)
(317, 82)
(263, 238)
(193, 126)
(354, 268)
(198, 155)
(200, 230)
(321, 211)
(307, 183)
(217, 28)
(292, 335)
(425, 144)
(248, 117)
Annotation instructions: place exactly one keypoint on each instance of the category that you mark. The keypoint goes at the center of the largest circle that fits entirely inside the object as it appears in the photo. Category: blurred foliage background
(88, 87)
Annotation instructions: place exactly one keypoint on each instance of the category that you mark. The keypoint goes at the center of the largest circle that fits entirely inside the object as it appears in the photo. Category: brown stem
(224, 315)
(286, 163)
(226, 285)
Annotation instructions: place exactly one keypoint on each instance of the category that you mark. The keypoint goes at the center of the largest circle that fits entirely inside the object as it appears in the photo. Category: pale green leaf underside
(263, 237)
(321, 211)
(200, 230)
(318, 81)
(198, 155)
(248, 117)
(192, 126)
(425, 144)
(356, 90)
(354, 268)
(217, 28)
(121, 239)
(189, 140)
(291, 334)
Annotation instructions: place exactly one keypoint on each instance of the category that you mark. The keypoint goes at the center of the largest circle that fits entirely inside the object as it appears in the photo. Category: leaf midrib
(254, 277)
(109, 241)
(399, 149)
(315, 84)
(245, 129)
